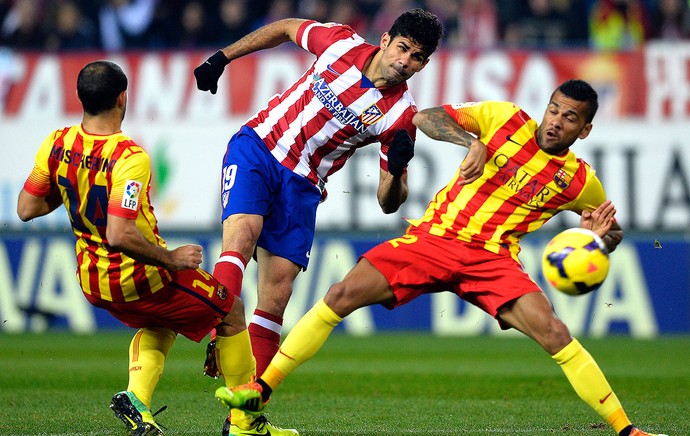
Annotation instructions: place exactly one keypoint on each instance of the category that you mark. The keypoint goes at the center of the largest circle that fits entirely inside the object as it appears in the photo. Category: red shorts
(192, 304)
(419, 263)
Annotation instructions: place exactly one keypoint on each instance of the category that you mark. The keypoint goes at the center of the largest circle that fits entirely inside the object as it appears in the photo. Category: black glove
(400, 152)
(208, 73)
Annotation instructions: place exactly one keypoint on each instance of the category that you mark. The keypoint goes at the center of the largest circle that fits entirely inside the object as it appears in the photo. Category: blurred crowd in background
(114, 25)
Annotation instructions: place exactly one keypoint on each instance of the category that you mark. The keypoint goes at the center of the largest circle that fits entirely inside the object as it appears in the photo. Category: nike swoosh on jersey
(330, 68)
(509, 138)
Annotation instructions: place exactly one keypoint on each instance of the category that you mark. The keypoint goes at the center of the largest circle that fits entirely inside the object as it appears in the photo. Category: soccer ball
(575, 261)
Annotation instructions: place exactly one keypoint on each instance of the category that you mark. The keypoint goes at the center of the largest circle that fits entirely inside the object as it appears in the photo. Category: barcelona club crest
(562, 179)
(222, 292)
(371, 115)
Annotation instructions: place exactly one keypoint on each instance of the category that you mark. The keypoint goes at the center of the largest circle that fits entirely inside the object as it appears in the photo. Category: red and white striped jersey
(333, 109)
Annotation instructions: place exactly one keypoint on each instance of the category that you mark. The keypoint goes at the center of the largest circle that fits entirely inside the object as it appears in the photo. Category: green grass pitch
(386, 384)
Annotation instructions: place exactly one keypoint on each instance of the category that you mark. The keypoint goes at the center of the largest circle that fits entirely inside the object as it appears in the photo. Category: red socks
(229, 270)
(264, 330)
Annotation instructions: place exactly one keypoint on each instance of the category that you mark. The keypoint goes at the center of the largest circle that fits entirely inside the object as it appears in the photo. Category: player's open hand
(600, 220)
(473, 166)
(400, 152)
(208, 73)
(186, 257)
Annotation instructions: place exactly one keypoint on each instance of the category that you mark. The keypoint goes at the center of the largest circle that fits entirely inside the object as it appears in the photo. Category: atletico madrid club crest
(371, 115)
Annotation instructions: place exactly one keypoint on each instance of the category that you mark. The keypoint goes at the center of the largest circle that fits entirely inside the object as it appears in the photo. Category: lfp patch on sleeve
(130, 200)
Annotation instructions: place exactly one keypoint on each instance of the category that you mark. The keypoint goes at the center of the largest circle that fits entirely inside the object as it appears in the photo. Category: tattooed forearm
(437, 124)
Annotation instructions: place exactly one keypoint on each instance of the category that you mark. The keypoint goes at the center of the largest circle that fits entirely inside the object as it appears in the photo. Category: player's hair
(99, 84)
(581, 91)
(422, 27)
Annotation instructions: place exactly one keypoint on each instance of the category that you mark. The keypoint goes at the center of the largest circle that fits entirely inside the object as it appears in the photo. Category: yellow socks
(147, 353)
(234, 358)
(590, 384)
(304, 340)
(242, 419)
(236, 363)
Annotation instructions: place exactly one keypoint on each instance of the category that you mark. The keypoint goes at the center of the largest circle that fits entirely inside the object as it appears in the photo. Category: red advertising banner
(638, 144)
(162, 83)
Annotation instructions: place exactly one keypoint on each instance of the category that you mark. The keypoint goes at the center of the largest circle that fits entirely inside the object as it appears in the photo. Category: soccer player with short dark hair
(275, 168)
(103, 178)
(468, 240)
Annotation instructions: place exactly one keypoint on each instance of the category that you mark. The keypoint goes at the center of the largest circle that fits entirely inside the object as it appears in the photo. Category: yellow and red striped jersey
(99, 175)
(522, 186)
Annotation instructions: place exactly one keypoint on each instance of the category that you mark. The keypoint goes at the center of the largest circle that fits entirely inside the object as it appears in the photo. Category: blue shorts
(254, 182)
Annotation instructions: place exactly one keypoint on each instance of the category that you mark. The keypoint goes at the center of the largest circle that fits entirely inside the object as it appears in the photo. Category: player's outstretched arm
(123, 235)
(268, 36)
(437, 124)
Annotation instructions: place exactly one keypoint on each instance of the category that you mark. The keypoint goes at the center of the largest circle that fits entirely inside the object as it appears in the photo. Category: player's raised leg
(362, 286)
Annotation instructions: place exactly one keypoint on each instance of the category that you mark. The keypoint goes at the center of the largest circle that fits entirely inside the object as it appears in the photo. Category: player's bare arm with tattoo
(437, 124)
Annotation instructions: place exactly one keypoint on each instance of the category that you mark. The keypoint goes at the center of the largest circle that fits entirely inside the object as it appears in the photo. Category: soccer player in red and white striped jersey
(517, 175)
(103, 179)
(276, 167)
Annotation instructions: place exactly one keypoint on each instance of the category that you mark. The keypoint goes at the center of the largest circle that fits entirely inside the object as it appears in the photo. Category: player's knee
(340, 298)
(555, 336)
(274, 301)
(234, 321)
(336, 293)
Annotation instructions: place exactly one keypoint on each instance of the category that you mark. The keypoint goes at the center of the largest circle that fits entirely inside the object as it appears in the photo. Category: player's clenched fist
(186, 257)
(208, 73)
(473, 166)
(400, 152)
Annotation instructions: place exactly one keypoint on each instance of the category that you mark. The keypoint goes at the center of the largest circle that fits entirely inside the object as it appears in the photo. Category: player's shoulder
(580, 166)
(330, 33)
(62, 131)
(490, 111)
(491, 105)
(328, 27)
(130, 147)
(583, 163)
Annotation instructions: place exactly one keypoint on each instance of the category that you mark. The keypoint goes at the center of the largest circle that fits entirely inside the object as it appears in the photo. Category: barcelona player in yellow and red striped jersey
(103, 178)
(517, 175)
